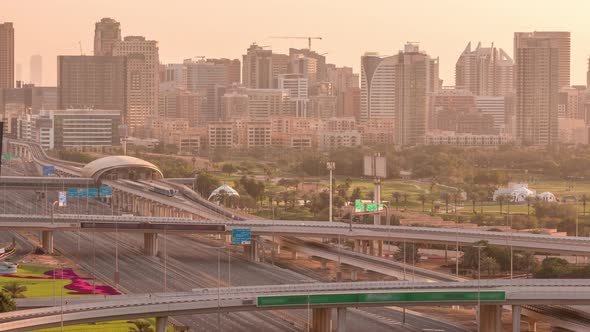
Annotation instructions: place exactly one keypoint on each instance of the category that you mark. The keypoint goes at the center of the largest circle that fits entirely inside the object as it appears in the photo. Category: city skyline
(379, 29)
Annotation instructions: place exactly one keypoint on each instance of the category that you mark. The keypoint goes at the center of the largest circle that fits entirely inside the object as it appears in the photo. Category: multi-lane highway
(266, 297)
(521, 241)
(172, 268)
(190, 262)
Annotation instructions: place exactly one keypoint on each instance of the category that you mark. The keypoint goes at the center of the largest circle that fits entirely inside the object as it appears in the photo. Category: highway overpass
(320, 298)
(153, 225)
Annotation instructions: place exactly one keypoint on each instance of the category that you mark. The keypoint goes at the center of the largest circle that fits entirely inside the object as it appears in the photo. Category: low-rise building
(339, 139)
(77, 128)
(438, 137)
(221, 135)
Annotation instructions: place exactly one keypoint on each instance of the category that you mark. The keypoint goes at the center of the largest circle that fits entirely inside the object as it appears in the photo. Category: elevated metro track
(38, 155)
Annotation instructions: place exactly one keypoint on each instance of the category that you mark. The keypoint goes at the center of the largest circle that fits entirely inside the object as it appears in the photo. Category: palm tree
(284, 196)
(271, 196)
(396, 197)
(432, 184)
(457, 198)
(482, 196)
(528, 200)
(490, 265)
(509, 199)
(446, 197)
(500, 200)
(473, 198)
(6, 302)
(141, 325)
(15, 290)
(422, 198)
(222, 197)
(405, 201)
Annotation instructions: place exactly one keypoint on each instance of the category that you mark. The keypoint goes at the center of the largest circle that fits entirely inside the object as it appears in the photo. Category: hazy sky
(225, 28)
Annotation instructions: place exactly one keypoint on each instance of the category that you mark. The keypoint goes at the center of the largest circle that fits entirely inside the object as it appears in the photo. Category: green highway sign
(358, 298)
(359, 206)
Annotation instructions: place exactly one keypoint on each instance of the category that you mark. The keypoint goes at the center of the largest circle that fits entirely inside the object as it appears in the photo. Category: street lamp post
(218, 289)
(457, 248)
(479, 247)
(511, 252)
(61, 300)
(331, 166)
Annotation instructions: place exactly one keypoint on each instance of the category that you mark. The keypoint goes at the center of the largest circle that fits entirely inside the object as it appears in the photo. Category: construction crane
(292, 37)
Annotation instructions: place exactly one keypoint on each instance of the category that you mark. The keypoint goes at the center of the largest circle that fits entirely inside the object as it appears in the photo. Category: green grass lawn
(298, 213)
(49, 287)
(38, 287)
(114, 326)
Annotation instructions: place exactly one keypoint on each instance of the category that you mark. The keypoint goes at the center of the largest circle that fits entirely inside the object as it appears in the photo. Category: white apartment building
(378, 87)
(264, 103)
(298, 87)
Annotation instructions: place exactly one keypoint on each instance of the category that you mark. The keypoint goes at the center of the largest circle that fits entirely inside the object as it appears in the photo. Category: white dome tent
(547, 197)
(215, 194)
(517, 191)
(520, 192)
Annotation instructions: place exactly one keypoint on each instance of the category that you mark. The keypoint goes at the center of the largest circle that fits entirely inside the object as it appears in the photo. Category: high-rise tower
(485, 71)
(106, 33)
(6, 55)
(397, 87)
(36, 70)
(539, 75)
(560, 40)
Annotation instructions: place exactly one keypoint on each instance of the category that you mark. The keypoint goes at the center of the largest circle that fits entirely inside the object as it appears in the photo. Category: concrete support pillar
(161, 324)
(371, 247)
(127, 202)
(341, 320)
(321, 320)
(251, 250)
(357, 246)
(47, 241)
(150, 244)
(380, 248)
(139, 206)
(490, 318)
(516, 312)
(531, 325)
(129, 205)
(294, 254)
(353, 275)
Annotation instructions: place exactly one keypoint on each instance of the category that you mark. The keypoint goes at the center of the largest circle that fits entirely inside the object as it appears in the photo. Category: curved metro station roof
(99, 166)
